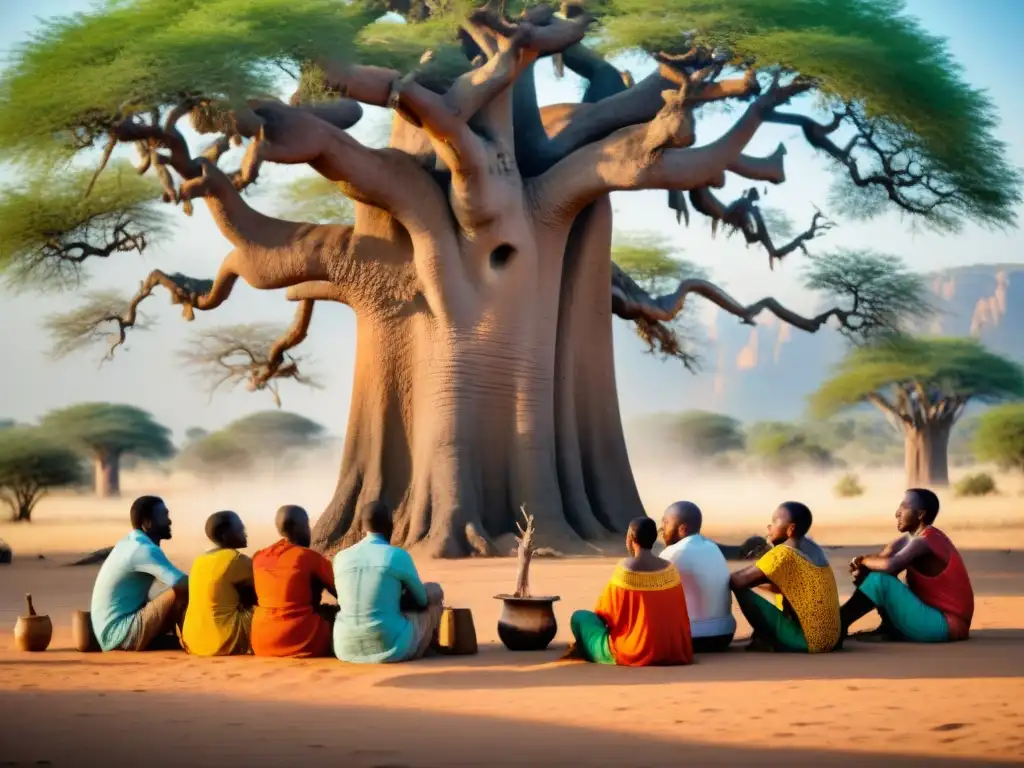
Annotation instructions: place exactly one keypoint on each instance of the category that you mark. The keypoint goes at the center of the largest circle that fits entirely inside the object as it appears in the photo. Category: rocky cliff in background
(767, 371)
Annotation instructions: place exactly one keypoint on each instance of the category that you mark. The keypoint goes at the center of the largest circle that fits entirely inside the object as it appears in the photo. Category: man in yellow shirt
(221, 593)
(805, 615)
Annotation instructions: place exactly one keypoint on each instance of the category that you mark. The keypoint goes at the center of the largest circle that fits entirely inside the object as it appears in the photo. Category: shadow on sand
(117, 728)
(993, 653)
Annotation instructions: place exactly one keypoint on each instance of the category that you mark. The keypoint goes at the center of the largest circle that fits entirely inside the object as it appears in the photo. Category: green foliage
(865, 52)
(110, 428)
(886, 296)
(1000, 436)
(783, 447)
(266, 436)
(647, 259)
(32, 462)
(215, 454)
(980, 484)
(863, 439)
(695, 434)
(848, 487)
(316, 199)
(47, 223)
(82, 73)
(945, 366)
(271, 433)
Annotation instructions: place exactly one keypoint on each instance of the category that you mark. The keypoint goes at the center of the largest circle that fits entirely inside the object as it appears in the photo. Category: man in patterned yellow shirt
(805, 615)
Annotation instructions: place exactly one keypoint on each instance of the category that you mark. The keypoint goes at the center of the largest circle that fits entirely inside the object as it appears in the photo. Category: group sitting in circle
(655, 609)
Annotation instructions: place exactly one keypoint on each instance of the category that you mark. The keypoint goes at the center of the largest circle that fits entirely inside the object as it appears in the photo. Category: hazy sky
(148, 373)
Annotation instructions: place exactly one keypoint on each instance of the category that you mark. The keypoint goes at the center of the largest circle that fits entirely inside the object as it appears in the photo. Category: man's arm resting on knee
(748, 578)
(889, 550)
(895, 564)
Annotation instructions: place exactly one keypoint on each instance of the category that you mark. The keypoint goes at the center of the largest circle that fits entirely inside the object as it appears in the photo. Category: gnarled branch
(258, 355)
(896, 181)
(745, 216)
(657, 155)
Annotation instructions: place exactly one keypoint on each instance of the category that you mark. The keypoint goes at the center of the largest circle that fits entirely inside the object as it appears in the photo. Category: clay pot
(81, 631)
(527, 623)
(32, 632)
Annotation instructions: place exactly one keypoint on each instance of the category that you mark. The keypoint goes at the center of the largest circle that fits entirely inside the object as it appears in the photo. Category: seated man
(640, 619)
(372, 578)
(123, 618)
(936, 604)
(705, 577)
(805, 615)
(290, 580)
(219, 613)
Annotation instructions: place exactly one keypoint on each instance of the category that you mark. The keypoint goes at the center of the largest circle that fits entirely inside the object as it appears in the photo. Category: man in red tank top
(936, 604)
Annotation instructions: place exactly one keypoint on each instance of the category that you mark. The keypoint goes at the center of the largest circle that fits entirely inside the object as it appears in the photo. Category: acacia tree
(32, 463)
(1000, 436)
(922, 386)
(697, 435)
(107, 432)
(478, 264)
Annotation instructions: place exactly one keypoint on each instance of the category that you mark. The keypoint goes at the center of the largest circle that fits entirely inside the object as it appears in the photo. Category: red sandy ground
(959, 704)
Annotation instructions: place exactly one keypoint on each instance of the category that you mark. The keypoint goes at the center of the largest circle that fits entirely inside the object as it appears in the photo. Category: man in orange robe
(641, 617)
(290, 579)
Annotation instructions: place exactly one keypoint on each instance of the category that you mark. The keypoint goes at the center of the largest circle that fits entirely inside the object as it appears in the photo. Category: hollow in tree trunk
(107, 474)
(927, 455)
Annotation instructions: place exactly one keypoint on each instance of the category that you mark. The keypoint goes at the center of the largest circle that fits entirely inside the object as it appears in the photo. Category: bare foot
(573, 653)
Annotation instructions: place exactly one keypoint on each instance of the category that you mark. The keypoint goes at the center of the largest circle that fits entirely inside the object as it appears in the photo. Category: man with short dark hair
(375, 581)
(640, 619)
(936, 604)
(123, 617)
(290, 619)
(805, 615)
(219, 615)
(705, 577)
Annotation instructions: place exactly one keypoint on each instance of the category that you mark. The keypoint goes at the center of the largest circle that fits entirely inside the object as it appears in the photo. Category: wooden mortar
(33, 632)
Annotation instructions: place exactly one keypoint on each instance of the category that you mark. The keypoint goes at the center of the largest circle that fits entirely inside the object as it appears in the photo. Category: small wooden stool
(457, 635)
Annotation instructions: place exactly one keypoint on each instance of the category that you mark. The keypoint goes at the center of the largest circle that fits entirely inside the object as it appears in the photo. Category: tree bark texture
(107, 474)
(926, 456)
(459, 418)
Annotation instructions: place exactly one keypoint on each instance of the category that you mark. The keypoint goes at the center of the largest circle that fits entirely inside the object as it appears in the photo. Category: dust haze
(737, 502)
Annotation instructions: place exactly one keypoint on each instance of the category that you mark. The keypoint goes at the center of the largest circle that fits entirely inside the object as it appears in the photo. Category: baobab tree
(922, 386)
(478, 264)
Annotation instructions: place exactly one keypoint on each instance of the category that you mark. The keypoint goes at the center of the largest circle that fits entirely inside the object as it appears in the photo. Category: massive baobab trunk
(926, 455)
(478, 268)
(107, 474)
(925, 420)
(457, 420)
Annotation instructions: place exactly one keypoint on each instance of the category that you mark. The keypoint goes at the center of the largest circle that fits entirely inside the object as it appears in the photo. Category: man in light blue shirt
(123, 616)
(375, 581)
(705, 577)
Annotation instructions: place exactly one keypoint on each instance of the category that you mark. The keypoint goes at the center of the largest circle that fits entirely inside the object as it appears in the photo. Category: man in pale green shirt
(123, 617)
(375, 581)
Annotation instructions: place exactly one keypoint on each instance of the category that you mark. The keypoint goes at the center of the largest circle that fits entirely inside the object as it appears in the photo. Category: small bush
(848, 487)
(980, 484)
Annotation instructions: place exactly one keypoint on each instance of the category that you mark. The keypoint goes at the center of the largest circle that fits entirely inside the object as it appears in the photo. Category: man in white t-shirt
(705, 576)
